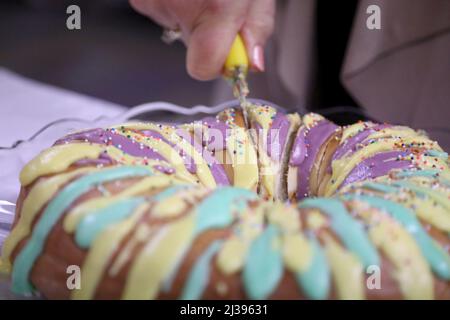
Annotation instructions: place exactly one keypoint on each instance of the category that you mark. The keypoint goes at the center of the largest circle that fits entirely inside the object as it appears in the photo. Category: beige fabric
(399, 74)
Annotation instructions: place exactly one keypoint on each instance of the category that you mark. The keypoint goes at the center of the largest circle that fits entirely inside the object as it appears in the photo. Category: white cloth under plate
(26, 106)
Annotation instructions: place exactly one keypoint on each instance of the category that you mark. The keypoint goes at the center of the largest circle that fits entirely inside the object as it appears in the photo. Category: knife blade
(235, 70)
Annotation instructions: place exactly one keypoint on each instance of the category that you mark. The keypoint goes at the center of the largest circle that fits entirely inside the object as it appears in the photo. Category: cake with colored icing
(199, 211)
(272, 134)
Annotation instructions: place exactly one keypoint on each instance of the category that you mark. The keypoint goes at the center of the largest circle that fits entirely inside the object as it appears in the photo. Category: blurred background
(117, 55)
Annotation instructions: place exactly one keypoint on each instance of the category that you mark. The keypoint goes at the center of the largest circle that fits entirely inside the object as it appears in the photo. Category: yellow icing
(239, 148)
(56, 159)
(101, 251)
(139, 235)
(165, 150)
(445, 174)
(342, 167)
(39, 195)
(244, 164)
(87, 207)
(123, 158)
(269, 169)
(284, 216)
(438, 197)
(433, 209)
(393, 132)
(310, 119)
(177, 204)
(295, 248)
(59, 158)
(315, 220)
(297, 252)
(354, 129)
(262, 115)
(5, 266)
(231, 256)
(294, 119)
(433, 182)
(169, 133)
(426, 209)
(242, 154)
(411, 269)
(154, 263)
(346, 269)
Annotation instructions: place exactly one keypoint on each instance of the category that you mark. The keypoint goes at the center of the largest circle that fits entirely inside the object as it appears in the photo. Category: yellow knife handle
(237, 58)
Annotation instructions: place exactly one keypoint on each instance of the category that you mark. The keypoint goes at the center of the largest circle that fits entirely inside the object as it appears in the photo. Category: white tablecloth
(27, 106)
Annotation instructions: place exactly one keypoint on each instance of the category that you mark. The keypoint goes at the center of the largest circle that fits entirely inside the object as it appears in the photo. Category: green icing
(379, 187)
(169, 192)
(417, 173)
(54, 210)
(420, 191)
(216, 211)
(438, 154)
(263, 267)
(433, 253)
(316, 280)
(427, 173)
(350, 231)
(199, 276)
(434, 194)
(92, 224)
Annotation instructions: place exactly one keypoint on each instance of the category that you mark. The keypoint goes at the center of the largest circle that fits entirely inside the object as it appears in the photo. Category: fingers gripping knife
(235, 70)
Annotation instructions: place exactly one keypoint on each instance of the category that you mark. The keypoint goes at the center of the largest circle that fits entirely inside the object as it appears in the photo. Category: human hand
(209, 27)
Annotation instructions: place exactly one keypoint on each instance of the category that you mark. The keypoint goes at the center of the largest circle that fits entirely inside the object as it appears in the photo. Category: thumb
(211, 37)
(256, 30)
(208, 47)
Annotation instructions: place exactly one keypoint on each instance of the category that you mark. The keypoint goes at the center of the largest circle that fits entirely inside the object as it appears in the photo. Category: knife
(235, 70)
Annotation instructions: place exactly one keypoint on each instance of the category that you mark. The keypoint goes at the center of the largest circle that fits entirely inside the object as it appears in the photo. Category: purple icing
(217, 133)
(216, 168)
(110, 137)
(378, 165)
(277, 136)
(306, 146)
(134, 148)
(189, 163)
(351, 144)
(298, 152)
